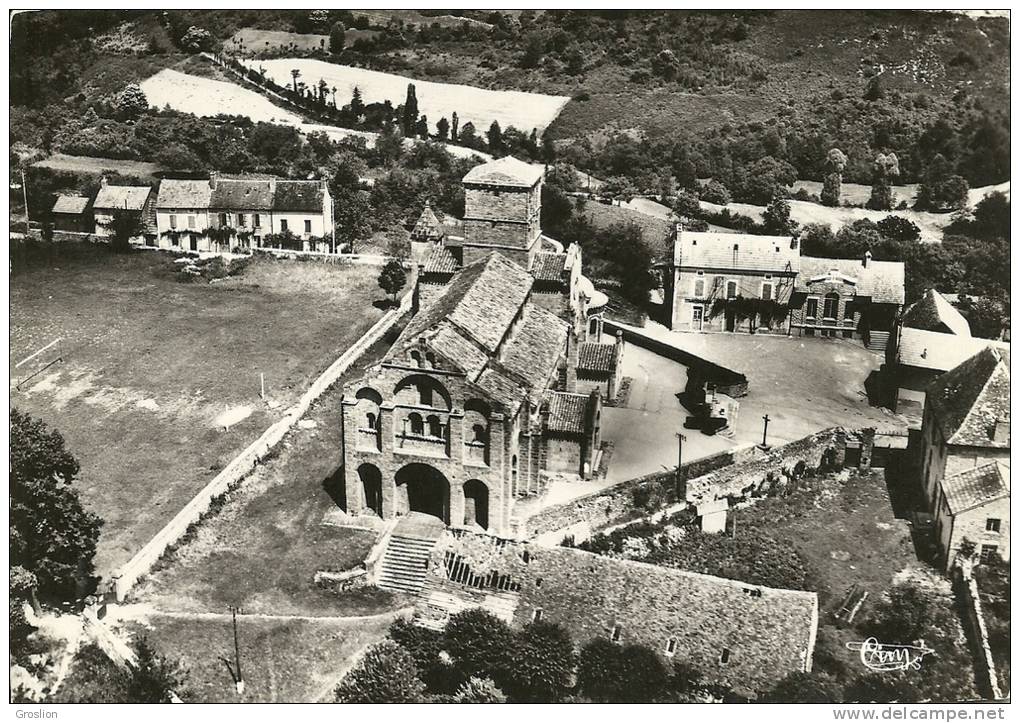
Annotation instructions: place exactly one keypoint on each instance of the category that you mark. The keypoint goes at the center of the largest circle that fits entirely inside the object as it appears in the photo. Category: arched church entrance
(476, 504)
(371, 487)
(422, 488)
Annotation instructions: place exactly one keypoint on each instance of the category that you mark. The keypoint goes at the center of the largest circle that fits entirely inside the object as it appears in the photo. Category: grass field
(149, 365)
(282, 661)
(89, 164)
(262, 548)
(254, 40)
(472, 104)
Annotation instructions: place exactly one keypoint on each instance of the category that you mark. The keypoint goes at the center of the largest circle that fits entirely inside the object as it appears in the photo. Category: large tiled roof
(968, 400)
(595, 357)
(937, 350)
(737, 252)
(567, 412)
(549, 266)
(131, 198)
(253, 194)
(508, 392)
(977, 486)
(298, 196)
(70, 204)
(440, 261)
(507, 171)
(882, 281)
(741, 636)
(178, 193)
(933, 312)
(532, 352)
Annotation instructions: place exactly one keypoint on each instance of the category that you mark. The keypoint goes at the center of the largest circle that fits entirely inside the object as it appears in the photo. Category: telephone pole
(681, 493)
(238, 680)
(765, 432)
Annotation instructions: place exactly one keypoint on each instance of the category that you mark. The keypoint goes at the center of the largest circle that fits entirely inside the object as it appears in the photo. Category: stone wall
(973, 619)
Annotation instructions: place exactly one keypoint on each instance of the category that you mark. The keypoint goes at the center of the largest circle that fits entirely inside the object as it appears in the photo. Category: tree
(131, 102)
(468, 136)
(443, 129)
(991, 217)
(543, 663)
(887, 167)
(357, 104)
(686, 205)
(421, 128)
(124, 225)
(197, 39)
(941, 189)
(386, 674)
(153, 677)
(295, 74)
(763, 180)
(480, 644)
(494, 137)
(714, 192)
(620, 251)
(899, 228)
(835, 162)
(454, 126)
(392, 278)
(800, 687)
(351, 213)
(51, 534)
(337, 38)
(610, 673)
(776, 218)
(410, 112)
(426, 647)
(534, 49)
(873, 90)
(479, 690)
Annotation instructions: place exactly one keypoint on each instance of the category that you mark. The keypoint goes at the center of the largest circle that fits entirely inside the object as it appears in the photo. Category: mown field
(150, 365)
(254, 40)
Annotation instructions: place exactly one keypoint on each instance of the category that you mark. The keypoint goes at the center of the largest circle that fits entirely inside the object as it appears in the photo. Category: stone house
(741, 636)
(251, 209)
(465, 412)
(847, 298)
(973, 505)
(136, 200)
(707, 269)
(966, 423)
(71, 213)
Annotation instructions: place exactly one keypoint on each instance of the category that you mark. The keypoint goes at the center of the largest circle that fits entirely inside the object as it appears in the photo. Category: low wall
(727, 381)
(974, 619)
(245, 462)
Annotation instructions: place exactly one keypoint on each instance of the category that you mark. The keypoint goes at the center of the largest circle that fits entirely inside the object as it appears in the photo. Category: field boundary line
(242, 465)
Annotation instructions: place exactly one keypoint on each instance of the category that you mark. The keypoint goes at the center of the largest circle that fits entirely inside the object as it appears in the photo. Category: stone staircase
(878, 340)
(404, 563)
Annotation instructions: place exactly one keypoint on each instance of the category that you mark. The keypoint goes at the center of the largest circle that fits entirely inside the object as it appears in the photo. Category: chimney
(272, 185)
(794, 242)
(1000, 432)
(867, 259)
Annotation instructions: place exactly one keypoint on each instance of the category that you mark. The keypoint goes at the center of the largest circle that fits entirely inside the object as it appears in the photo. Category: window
(671, 646)
(224, 219)
(725, 657)
(731, 289)
(257, 220)
(831, 308)
(435, 426)
(173, 220)
(416, 358)
(812, 309)
(699, 285)
(988, 552)
(615, 637)
(992, 525)
(308, 225)
(478, 434)
(241, 220)
(537, 617)
(283, 225)
(417, 425)
(766, 290)
(191, 222)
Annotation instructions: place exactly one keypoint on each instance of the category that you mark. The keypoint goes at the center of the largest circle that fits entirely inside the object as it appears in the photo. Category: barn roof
(130, 198)
(970, 399)
(937, 350)
(933, 312)
(975, 487)
(70, 204)
(506, 171)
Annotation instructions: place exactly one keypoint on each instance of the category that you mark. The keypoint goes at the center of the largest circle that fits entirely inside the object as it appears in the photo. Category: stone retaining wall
(974, 619)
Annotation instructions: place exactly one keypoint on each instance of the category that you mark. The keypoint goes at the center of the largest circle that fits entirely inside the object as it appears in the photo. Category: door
(731, 321)
(698, 318)
(193, 242)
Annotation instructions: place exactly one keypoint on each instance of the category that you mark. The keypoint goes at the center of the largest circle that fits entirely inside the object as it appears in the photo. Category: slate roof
(440, 261)
(506, 171)
(880, 280)
(549, 266)
(974, 487)
(428, 225)
(933, 312)
(937, 350)
(567, 412)
(536, 345)
(968, 400)
(298, 196)
(595, 357)
(242, 194)
(70, 204)
(131, 198)
(766, 633)
(178, 193)
(714, 250)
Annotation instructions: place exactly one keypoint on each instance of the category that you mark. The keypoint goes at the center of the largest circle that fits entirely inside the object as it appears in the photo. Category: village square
(379, 389)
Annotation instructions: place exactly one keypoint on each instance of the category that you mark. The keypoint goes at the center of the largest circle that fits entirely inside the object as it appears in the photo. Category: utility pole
(681, 493)
(238, 680)
(24, 195)
(765, 432)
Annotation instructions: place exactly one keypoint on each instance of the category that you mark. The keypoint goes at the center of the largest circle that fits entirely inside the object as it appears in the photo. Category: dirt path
(142, 611)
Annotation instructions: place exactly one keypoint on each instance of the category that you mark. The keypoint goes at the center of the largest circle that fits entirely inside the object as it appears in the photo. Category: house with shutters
(134, 200)
(225, 212)
(966, 427)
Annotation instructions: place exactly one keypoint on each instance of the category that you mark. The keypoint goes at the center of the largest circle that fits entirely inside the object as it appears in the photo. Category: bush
(610, 673)
(543, 663)
(480, 644)
(386, 674)
(479, 690)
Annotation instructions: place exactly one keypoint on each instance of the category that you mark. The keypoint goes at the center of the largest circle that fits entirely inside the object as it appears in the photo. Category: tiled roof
(70, 204)
(298, 196)
(595, 357)
(244, 194)
(177, 193)
(880, 280)
(131, 198)
(741, 636)
(428, 225)
(567, 412)
(739, 252)
(502, 388)
(440, 261)
(536, 345)
(933, 312)
(506, 171)
(977, 486)
(969, 399)
(549, 266)
(939, 351)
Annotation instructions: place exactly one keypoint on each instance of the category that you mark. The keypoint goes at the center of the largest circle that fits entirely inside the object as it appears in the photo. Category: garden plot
(479, 106)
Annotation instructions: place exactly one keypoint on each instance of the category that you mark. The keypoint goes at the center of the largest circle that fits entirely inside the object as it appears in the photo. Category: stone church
(477, 403)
